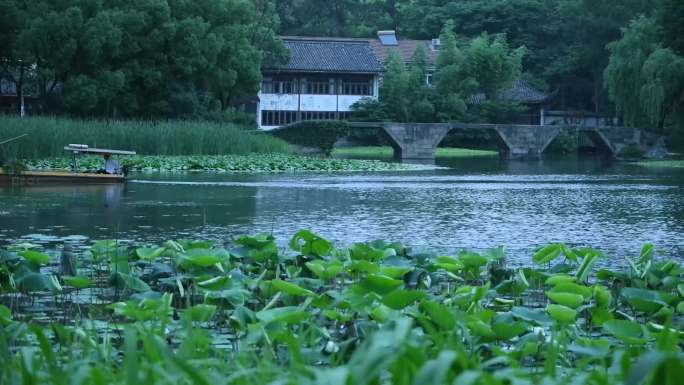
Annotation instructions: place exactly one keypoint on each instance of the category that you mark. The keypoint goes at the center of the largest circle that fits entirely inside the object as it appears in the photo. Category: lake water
(475, 204)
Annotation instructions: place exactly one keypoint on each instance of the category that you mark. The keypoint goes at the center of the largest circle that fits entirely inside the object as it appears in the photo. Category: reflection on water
(477, 204)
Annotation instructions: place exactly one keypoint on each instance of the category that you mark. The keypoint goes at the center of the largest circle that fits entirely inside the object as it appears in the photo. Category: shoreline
(238, 164)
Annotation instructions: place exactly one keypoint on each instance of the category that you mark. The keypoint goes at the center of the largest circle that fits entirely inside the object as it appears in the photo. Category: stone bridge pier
(525, 142)
(616, 139)
(417, 142)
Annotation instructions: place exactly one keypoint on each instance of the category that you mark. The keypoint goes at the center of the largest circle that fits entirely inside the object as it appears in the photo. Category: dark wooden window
(356, 88)
(277, 118)
(319, 115)
(318, 87)
(279, 86)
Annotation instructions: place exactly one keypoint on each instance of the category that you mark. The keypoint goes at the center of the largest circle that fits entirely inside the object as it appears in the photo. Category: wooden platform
(56, 177)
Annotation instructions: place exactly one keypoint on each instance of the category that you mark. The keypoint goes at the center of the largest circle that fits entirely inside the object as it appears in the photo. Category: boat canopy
(82, 148)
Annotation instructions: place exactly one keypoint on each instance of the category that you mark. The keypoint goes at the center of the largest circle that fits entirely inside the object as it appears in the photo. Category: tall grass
(48, 135)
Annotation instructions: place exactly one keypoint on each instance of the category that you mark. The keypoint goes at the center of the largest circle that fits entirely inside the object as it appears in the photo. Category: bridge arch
(417, 142)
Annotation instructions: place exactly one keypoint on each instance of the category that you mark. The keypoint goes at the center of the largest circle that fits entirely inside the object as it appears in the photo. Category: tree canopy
(645, 78)
(464, 68)
(130, 57)
(178, 58)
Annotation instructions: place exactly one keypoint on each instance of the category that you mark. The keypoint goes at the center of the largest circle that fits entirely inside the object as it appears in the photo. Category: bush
(48, 135)
(320, 134)
(567, 142)
(631, 152)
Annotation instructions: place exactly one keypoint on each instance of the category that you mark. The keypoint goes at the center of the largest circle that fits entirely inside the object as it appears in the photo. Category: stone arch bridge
(417, 142)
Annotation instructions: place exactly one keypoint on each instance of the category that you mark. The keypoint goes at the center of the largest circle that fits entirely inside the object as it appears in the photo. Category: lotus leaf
(380, 283)
(364, 251)
(603, 296)
(221, 282)
(364, 266)
(78, 282)
(381, 313)
(35, 257)
(537, 316)
(646, 300)
(291, 288)
(600, 315)
(566, 299)
(326, 270)
(288, 314)
(629, 332)
(5, 316)
(547, 254)
(569, 287)
(400, 298)
(506, 331)
(559, 278)
(472, 260)
(590, 258)
(127, 281)
(201, 312)
(562, 314)
(439, 314)
(36, 282)
(395, 272)
(201, 258)
(309, 243)
(149, 253)
(480, 329)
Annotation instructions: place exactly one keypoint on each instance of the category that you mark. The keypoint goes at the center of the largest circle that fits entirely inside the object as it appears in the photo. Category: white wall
(305, 102)
(282, 102)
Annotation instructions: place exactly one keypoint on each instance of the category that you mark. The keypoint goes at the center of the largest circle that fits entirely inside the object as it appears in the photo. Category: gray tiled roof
(330, 56)
(520, 91)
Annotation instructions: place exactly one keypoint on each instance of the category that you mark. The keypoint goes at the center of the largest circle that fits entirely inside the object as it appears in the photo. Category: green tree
(646, 79)
(128, 57)
(395, 89)
(421, 96)
(452, 82)
(670, 17)
(493, 64)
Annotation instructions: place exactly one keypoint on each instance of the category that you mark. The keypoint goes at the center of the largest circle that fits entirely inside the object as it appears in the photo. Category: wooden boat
(57, 176)
(73, 176)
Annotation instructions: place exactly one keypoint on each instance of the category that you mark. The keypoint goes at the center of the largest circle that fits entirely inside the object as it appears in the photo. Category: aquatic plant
(386, 152)
(47, 137)
(229, 163)
(251, 312)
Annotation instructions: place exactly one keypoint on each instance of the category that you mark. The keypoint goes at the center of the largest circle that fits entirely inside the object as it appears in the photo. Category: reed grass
(48, 135)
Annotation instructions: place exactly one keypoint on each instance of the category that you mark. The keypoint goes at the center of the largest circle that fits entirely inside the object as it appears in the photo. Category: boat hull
(56, 177)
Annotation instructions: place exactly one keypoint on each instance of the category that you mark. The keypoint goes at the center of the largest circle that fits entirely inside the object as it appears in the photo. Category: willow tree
(646, 79)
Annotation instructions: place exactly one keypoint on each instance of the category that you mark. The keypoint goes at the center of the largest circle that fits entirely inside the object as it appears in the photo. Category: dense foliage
(228, 163)
(321, 135)
(645, 75)
(188, 312)
(137, 58)
(484, 65)
(565, 44)
(47, 137)
(179, 58)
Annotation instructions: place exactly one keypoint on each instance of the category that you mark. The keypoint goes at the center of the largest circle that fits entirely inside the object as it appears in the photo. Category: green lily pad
(562, 314)
(566, 299)
(78, 282)
(291, 288)
(628, 332)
